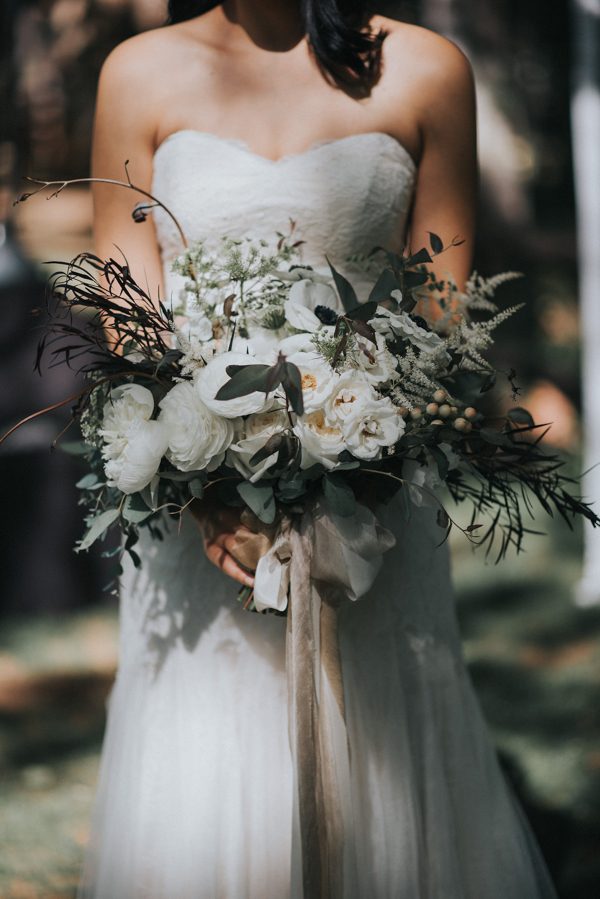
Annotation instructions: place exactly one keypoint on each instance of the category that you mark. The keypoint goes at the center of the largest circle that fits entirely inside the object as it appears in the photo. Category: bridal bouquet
(271, 386)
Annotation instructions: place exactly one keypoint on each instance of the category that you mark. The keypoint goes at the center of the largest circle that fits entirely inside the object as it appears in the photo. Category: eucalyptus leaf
(246, 380)
(259, 499)
(75, 447)
(292, 384)
(89, 482)
(197, 488)
(97, 528)
(339, 495)
(134, 512)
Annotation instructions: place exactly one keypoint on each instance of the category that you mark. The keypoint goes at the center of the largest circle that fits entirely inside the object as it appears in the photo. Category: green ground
(534, 656)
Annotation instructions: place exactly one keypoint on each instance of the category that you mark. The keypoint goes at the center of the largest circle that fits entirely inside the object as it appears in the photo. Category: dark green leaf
(364, 329)
(272, 445)
(436, 243)
(415, 279)
(362, 312)
(385, 284)
(520, 416)
(292, 384)
(420, 258)
(249, 379)
(442, 518)
(345, 290)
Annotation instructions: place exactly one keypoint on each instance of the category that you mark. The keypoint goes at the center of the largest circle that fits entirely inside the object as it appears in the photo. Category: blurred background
(532, 632)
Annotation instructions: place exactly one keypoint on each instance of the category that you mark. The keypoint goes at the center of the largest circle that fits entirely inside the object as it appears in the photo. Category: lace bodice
(346, 196)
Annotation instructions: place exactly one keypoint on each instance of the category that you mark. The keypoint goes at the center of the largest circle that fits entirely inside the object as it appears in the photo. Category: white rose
(375, 360)
(400, 324)
(214, 375)
(350, 392)
(197, 438)
(372, 427)
(303, 299)
(321, 441)
(257, 429)
(136, 465)
(317, 376)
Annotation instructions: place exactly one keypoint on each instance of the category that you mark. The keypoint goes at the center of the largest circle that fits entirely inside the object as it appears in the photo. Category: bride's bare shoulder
(157, 58)
(424, 57)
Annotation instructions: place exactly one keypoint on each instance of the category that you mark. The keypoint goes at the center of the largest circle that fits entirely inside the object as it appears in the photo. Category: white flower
(214, 375)
(375, 360)
(373, 427)
(400, 324)
(135, 467)
(133, 445)
(321, 441)
(303, 299)
(197, 438)
(318, 378)
(350, 392)
(257, 429)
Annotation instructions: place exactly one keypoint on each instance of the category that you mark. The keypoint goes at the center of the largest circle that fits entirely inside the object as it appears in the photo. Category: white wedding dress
(195, 788)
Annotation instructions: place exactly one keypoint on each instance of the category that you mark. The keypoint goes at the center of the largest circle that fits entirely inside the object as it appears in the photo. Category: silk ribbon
(315, 563)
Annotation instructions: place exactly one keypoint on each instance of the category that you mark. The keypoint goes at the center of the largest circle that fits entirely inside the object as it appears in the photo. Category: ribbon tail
(317, 730)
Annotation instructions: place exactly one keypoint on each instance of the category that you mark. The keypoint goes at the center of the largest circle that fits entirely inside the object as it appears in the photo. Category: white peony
(321, 441)
(133, 444)
(373, 427)
(197, 438)
(135, 467)
(255, 432)
(400, 324)
(303, 299)
(318, 378)
(214, 375)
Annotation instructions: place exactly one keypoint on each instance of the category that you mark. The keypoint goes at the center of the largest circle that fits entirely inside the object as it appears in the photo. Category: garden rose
(197, 438)
(321, 441)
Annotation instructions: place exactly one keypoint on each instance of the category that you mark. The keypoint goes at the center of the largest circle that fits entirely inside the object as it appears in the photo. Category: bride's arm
(446, 191)
(125, 129)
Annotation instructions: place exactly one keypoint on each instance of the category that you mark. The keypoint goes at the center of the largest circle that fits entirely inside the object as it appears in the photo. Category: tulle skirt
(195, 794)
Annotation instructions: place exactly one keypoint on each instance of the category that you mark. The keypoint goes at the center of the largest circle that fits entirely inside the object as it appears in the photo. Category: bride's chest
(344, 196)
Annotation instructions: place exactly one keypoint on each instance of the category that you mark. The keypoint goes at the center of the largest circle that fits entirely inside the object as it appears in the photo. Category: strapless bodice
(345, 196)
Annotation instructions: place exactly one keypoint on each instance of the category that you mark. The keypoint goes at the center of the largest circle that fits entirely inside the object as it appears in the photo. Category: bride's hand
(220, 528)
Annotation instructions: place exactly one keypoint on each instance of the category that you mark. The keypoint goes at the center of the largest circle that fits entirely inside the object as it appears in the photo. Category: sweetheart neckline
(313, 148)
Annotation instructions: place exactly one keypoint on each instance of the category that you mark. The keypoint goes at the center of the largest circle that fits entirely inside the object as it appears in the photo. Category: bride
(240, 116)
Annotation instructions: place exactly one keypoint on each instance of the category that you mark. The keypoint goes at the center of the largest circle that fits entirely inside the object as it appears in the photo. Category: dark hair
(347, 53)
